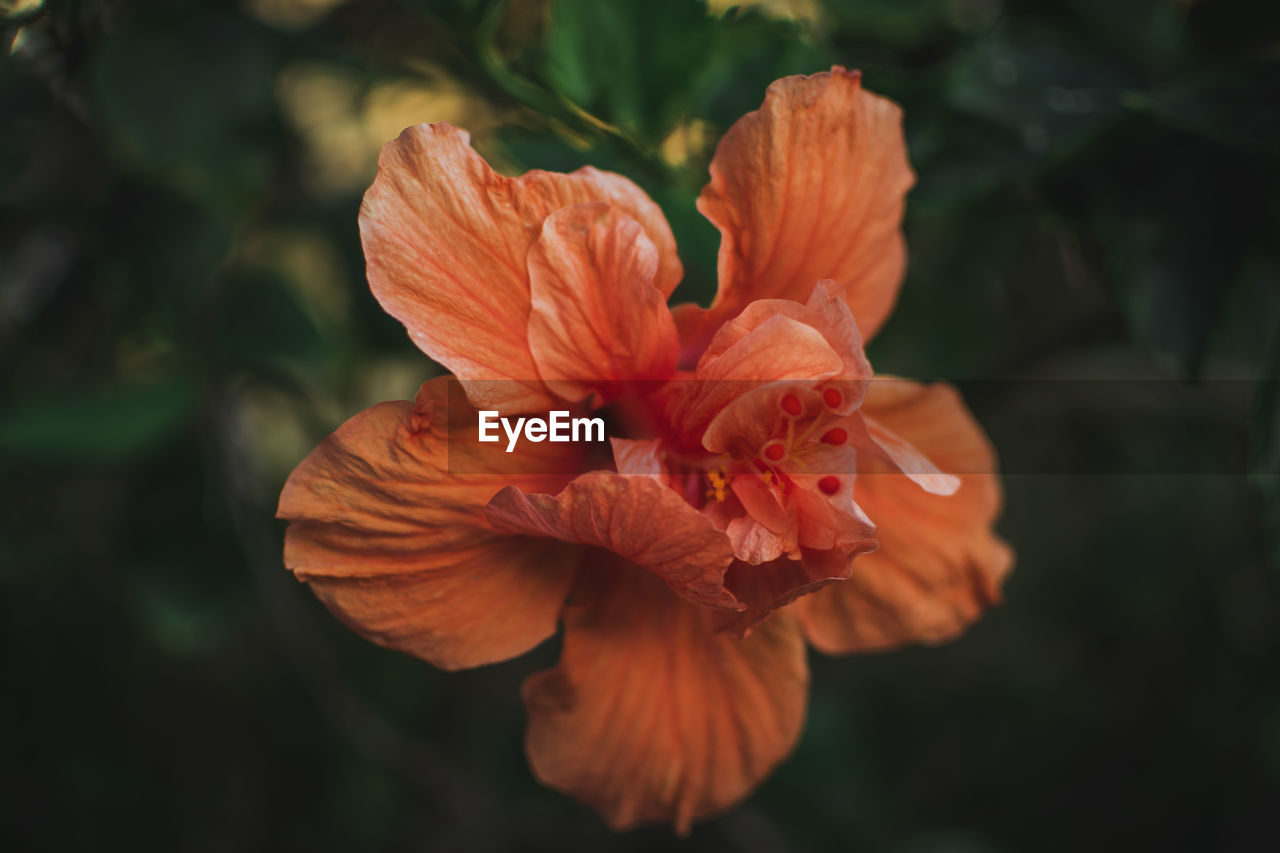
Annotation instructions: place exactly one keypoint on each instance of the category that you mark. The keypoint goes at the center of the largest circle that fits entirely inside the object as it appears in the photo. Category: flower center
(801, 430)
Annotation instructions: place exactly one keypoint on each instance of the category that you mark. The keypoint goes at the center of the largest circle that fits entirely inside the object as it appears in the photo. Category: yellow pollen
(718, 483)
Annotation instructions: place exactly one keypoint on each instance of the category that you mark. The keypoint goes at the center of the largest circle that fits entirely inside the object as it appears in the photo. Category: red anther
(774, 450)
(791, 405)
(835, 436)
(832, 398)
(829, 484)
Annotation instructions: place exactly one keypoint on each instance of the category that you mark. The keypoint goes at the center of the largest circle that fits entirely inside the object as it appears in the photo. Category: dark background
(183, 315)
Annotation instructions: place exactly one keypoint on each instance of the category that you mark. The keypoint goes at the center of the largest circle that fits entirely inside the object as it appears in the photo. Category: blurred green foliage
(183, 315)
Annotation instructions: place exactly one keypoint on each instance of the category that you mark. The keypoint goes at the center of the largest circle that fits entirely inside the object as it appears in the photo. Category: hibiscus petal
(780, 347)
(740, 386)
(446, 238)
(811, 186)
(872, 437)
(768, 529)
(398, 547)
(766, 587)
(598, 320)
(651, 714)
(636, 517)
(939, 563)
(831, 522)
(753, 542)
(824, 310)
(639, 457)
(762, 343)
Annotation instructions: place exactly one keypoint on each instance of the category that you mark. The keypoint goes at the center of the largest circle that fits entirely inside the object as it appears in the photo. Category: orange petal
(939, 563)
(823, 309)
(831, 522)
(398, 547)
(636, 517)
(639, 456)
(811, 187)
(653, 715)
(777, 339)
(768, 529)
(872, 437)
(766, 587)
(598, 320)
(446, 240)
(779, 348)
(743, 381)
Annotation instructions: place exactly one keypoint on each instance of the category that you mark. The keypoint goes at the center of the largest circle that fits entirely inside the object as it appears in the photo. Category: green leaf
(631, 63)
(98, 426)
(261, 322)
(184, 619)
(1235, 106)
(190, 104)
(959, 160)
(748, 53)
(698, 241)
(1174, 249)
(542, 149)
(185, 243)
(1049, 93)
(1150, 31)
(901, 23)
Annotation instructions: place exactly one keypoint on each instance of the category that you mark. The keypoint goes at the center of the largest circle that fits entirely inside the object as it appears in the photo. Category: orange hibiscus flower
(760, 489)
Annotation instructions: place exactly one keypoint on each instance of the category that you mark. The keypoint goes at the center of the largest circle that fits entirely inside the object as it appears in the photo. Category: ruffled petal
(823, 309)
(398, 548)
(772, 340)
(652, 715)
(639, 456)
(764, 588)
(810, 186)
(635, 517)
(598, 320)
(446, 239)
(744, 380)
(872, 438)
(768, 529)
(939, 564)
